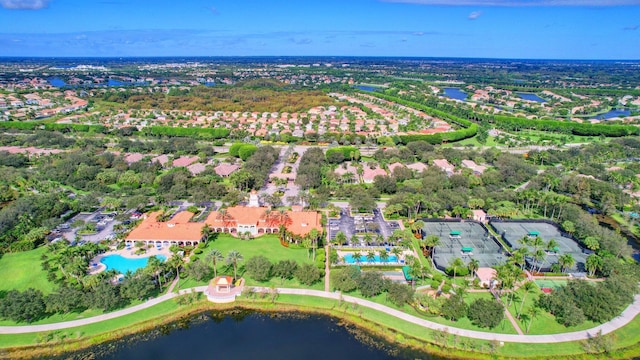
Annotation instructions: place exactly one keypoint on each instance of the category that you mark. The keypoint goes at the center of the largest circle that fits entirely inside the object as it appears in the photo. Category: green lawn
(23, 270)
(266, 245)
(545, 323)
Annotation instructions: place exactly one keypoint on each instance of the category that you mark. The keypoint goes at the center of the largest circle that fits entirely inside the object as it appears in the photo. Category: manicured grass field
(23, 270)
(266, 245)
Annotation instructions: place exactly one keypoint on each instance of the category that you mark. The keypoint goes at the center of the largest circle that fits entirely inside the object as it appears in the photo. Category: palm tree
(552, 245)
(396, 251)
(456, 265)
(527, 287)
(155, 267)
(232, 259)
(473, 265)
(314, 235)
(340, 238)
(206, 232)
(539, 256)
(417, 226)
(519, 257)
(430, 242)
(214, 255)
(371, 256)
(566, 262)
(593, 264)
(533, 312)
(384, 255)
(357, 257)
(176, 262)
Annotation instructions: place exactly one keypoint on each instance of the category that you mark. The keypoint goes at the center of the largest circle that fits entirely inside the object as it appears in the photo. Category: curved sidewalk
(623, 319)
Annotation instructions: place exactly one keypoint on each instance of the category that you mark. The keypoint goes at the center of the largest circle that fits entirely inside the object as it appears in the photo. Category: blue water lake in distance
(57, 82)
(455, 93)
(614, 113)
(367, 88)
(122, 264)
(531, 97)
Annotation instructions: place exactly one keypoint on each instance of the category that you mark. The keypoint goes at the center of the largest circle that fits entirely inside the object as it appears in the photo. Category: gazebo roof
(223, 281)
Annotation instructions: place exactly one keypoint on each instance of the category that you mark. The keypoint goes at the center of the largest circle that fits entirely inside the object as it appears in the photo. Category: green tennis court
(551, 284)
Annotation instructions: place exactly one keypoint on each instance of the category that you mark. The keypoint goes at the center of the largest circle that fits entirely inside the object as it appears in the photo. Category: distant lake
(209, 83)
(367, 88)
(250, 335)
(613, 113)
(455, 93)
(531, 97)
(57, 82)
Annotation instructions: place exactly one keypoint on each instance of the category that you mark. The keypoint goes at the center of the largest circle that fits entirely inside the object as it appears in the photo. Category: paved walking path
(627, 315)
(327, 271)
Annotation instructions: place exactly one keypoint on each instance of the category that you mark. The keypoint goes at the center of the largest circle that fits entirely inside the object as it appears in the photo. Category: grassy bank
(394, 330)
(23, 270)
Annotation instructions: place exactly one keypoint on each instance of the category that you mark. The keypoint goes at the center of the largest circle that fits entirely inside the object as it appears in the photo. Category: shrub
(308, 274)
(486, 313)
(259, 268)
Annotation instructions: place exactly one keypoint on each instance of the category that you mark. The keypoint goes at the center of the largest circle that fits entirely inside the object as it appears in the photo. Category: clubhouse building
(251, 220)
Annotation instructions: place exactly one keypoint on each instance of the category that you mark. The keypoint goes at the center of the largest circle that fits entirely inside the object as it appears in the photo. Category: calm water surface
(531, 97)
(250, 335)
(455, 93)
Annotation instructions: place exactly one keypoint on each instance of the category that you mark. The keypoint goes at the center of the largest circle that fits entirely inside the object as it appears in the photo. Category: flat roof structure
(466, 240)
(512, 232)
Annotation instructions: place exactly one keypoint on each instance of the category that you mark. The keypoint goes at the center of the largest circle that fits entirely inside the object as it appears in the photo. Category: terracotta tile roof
(369, 174)
(418, 166)
(394, 166)
(196, 168)
(162, 159)
(226, 169)
(133, 158)
(185, 161)
(177, 229)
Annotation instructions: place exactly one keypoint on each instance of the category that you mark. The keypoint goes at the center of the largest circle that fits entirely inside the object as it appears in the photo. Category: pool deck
(126, 253)
(364, 261)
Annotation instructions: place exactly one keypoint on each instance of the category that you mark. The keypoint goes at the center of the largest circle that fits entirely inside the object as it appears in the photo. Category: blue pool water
(367, 88)
(531, 97)
(348, 258)
(455, 93)
(122, 264)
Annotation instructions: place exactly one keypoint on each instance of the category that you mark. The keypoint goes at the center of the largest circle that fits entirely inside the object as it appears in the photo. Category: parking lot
(357, 225)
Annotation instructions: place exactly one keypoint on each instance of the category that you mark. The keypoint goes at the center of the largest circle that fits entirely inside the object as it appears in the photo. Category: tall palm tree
(430, 242)
(155, 267)
(396, 251)
(232, 259)
(215, 256)
(528, 287)
(357, 257)
(566, 262)
(340, 238)
(593, 264)
(206, 232)
(539, 256)
(473, 265)
(371, 256)
(456, 265)
(384, 255)
(176, 262)
(552, 245)
(533, 312)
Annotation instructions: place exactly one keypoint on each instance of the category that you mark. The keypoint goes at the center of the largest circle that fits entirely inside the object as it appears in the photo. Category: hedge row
(242, 150)
(32, 125)
(345, 150)
(207, 133)
(576, 128)
(468, 128)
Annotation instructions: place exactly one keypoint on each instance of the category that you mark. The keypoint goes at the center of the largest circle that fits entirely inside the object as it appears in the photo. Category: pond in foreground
(250, 335)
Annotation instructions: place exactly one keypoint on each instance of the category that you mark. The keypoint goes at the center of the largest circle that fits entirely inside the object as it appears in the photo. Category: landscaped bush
(308, 274)
(259, 268)
(486, 313)
(346, 279)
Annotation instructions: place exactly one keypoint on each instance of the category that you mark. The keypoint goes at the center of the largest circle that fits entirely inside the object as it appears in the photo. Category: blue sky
(547, 29)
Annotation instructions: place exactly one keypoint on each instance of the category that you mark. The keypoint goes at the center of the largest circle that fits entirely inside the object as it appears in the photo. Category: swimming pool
(348, 258)
(122, 264)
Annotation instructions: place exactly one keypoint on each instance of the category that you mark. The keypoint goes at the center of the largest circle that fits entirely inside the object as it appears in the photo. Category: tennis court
(514, 232)
(466, 240)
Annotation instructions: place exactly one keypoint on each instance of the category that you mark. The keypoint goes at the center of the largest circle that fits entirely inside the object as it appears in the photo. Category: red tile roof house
(368, 174)
(225, 170)
(185, 161)
(161, 159)
(444, 165)
(133, 158)
(235, 220)
(196, 168)
(417, 167)
(343, 171)
(394, 166)
(477, 169)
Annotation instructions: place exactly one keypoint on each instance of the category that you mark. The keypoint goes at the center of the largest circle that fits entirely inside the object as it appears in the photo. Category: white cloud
(520, 3)
(24, 4)
(474, 15)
